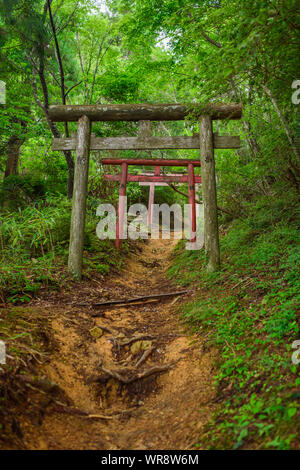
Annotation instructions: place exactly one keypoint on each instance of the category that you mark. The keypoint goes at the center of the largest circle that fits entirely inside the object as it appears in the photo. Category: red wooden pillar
(121, 206)
(191, 185)
(151, 197)
(150, 203)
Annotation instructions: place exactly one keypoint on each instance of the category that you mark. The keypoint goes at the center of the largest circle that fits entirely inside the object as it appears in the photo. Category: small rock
(96, 332)
(140, 346)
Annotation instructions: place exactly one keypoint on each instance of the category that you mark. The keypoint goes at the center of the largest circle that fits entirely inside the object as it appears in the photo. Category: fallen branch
(133, 304)
(135, 299)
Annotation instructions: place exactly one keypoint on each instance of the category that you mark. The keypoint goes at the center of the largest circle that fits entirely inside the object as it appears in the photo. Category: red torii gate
(123, 177)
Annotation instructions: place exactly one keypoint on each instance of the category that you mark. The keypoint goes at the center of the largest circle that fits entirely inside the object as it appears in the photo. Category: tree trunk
(14, 145)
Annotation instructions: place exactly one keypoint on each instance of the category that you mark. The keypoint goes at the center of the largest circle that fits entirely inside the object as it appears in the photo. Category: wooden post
(150, 203)
(121, 207)
(151, 198)
(211, 234)
(144, 128)
(79, 196)
(191, 190)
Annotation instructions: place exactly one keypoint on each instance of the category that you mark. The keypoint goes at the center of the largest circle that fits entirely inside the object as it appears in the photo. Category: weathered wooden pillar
(144, 128)
(211, 233)
(79, 196)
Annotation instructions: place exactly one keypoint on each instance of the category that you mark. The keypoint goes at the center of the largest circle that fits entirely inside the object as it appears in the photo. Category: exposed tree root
(136, 338)
(144, 357)
(116, 374)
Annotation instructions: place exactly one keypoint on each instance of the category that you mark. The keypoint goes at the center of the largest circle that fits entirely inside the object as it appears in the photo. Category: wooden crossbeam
(147, 143)
(138, 112)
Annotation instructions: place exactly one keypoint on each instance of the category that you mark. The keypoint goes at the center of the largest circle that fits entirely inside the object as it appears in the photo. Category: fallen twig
(85, 414)
(248, 279)
(174, 301)
(102, 416)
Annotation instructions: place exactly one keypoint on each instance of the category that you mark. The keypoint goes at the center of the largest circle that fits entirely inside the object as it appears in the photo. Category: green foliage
(18, 191)
(249, 312)
(119, 85)
(36, 229)
(34, 247)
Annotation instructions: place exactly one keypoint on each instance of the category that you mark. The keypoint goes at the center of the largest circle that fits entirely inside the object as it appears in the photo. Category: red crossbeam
(153, 178)
(156, 162)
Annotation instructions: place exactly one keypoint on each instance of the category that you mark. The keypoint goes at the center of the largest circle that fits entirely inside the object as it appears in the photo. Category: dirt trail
(165, 410)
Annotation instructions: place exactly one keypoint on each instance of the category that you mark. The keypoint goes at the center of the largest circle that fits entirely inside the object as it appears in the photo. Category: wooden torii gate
(206, 141)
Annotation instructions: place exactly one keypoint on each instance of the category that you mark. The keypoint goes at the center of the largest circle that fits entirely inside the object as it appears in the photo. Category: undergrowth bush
(249, 311)
(36, 229)
(34, 248)
(17, 191)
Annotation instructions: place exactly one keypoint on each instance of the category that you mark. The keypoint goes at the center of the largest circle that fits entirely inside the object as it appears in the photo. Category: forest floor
(78, 397)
